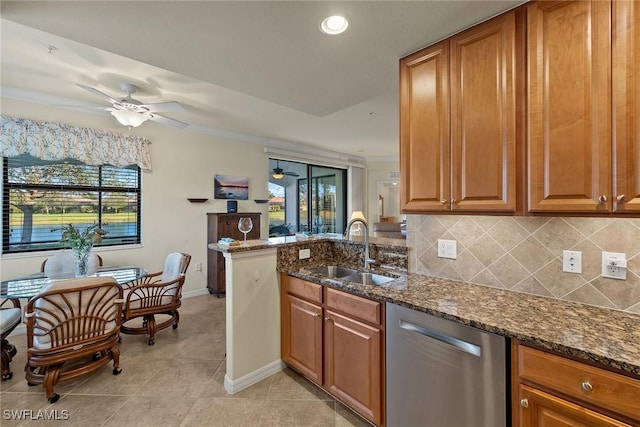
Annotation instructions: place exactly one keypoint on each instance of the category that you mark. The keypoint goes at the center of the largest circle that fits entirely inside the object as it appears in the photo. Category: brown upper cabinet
(458, 122)
(583, 108)
(626, 106)
(569, 106)
(536, 110)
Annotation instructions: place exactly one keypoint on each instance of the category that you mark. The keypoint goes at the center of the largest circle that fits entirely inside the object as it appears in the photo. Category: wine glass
(245, 225)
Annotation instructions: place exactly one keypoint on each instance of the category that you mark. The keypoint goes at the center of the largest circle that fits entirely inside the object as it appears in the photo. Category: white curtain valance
(56, 141)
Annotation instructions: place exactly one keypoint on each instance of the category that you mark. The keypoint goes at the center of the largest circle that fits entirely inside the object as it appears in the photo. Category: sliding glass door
(306, 198)
(326, 198)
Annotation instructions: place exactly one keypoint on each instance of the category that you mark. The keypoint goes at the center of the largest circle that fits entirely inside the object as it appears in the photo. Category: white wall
(183, 166)
(377, 171)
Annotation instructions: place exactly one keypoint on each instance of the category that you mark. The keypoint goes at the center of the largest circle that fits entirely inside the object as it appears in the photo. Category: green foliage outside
(276, 217)
(75, 218)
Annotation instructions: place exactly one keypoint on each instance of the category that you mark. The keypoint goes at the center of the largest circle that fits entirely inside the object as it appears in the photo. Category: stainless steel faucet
(367, 261)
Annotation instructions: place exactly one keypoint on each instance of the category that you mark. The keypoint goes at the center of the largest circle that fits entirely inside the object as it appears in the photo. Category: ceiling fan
(279, 173)
(132, 113)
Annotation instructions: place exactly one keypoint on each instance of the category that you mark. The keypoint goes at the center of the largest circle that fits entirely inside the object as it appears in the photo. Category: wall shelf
(196, 200)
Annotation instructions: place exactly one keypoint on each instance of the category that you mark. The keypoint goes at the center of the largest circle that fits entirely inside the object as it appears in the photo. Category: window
(296, 207)
(40, 196)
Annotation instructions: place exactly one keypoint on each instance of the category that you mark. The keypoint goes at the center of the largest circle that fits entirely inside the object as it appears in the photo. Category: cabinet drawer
(303, 289)
(597, 386)
(355, 306)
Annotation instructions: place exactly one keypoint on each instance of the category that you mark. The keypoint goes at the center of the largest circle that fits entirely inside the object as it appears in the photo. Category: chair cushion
(62, 265)
(172, 267)
(9, 318)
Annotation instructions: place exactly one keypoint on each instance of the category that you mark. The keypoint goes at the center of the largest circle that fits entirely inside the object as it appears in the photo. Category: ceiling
(259, 71)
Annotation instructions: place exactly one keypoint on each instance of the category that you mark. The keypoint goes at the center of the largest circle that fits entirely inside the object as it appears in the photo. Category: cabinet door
(541, 409)
(626, 106)
(228, 227)
(353, 369)
(483, 116)
(302, 336)
(569, 106)
(424, 130)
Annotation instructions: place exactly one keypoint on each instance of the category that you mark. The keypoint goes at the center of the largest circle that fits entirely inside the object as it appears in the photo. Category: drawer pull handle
(524, 403)
(586, 386)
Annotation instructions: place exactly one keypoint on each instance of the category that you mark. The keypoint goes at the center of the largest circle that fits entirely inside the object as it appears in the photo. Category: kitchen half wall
(524, 254)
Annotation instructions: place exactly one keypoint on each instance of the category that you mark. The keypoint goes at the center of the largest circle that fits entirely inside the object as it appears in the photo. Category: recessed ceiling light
(335, 24)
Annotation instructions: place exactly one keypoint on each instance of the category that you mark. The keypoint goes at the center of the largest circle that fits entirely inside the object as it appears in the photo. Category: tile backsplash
(524, 254)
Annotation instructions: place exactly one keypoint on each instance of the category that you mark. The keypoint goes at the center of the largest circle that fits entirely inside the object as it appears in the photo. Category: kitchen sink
(368, 278)
(351, 275)
(334, 271)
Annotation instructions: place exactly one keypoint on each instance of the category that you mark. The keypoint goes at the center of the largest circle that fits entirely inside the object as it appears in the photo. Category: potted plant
(81, 243)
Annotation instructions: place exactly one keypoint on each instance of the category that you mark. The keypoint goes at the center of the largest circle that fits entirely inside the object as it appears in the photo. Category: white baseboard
(250, 379)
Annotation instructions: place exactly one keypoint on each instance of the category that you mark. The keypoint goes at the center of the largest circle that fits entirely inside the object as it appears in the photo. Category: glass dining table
(29, 286)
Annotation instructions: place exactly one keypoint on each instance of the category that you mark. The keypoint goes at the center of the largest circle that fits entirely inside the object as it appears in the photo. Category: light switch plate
(447, 249)
(304, 254)
(572, 262)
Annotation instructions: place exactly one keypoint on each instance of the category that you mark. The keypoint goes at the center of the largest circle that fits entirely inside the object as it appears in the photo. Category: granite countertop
(608, 337)
(274, 242)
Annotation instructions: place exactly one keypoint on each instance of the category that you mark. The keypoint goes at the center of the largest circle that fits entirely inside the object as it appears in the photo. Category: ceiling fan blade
(100, 94)
(168, 122)
(290, 173)
(164, 106)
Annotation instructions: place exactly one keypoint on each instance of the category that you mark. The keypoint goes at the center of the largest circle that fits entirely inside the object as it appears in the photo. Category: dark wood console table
(221, 225)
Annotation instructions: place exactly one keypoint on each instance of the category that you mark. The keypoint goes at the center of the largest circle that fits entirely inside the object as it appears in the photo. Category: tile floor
(176, 382)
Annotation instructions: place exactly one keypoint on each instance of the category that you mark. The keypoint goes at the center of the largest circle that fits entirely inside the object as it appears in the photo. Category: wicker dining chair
(62, 265)
(72, 330)
(155, 294)
(10, 317)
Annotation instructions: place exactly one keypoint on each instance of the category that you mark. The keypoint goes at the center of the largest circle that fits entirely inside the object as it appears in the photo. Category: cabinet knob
(453, 201)
(621, 198)
(586, 386)
(316, 315)
(327, 318)
(443, 202)
(524, 403)
(602, 199)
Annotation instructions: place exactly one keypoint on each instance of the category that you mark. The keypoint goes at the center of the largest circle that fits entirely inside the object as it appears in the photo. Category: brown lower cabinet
(551, 390)
(336, 340)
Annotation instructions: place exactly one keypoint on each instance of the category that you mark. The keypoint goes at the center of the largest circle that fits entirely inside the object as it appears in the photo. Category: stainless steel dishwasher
(441, 373)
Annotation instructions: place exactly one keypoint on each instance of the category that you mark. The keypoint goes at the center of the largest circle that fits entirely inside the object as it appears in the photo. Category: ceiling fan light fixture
(334, 24)
(277, 174)
(129, 118)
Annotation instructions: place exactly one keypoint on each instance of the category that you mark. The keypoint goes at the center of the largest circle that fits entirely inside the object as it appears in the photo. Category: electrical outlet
(572, 262)
(447, 249)
(304, 254)
(614, 265)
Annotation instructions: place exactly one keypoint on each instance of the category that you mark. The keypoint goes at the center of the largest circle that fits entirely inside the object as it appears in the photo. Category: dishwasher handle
(454, 342)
